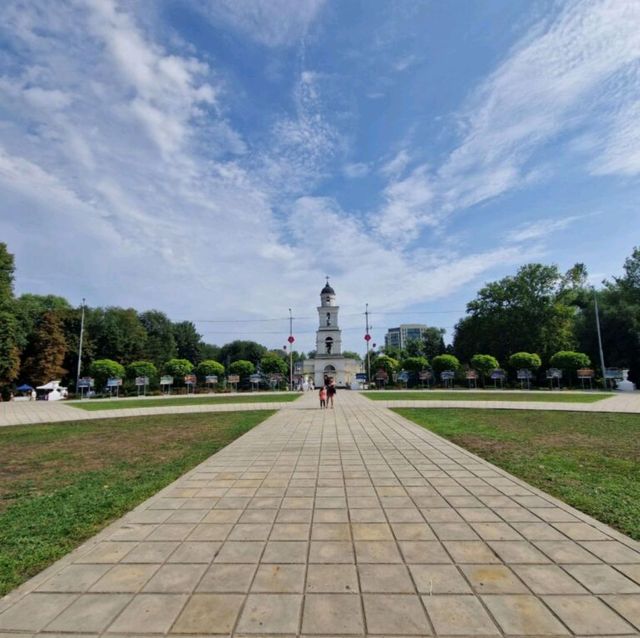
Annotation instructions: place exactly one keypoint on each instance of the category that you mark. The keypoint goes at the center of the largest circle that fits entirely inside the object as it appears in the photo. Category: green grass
(589, 460)
(121, 404)
(61, 483)
(464, 395)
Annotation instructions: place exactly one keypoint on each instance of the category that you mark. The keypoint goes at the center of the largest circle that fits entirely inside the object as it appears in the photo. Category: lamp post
(367, 338)
(80, 346)
(291, 339)
(604, 373)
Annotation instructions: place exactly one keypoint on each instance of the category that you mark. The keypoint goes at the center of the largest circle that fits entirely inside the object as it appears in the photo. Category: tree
(47, 349)
(272, 363)
(118, 334)
(209, 351)
(348, 354)
(9, 352)
(415, 348)
(246, 350)
(103, 369)
(160, 345)
(445, 362)
(525, 361)
(433, 342)
(7, 268)
(142, 369)
(178, 369)
(188, 341)
(209, 367)
(526, 312)
(386, 363)
(569, 361)
(242, 367)
(415, 364)
(484, 364)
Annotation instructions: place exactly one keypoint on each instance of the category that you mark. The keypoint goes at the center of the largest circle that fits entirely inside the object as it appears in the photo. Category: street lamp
(367, 338)
(604, 370)
(291, 339)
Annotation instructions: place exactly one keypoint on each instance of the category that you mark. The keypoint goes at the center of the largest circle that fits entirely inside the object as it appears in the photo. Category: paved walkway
(341, 522)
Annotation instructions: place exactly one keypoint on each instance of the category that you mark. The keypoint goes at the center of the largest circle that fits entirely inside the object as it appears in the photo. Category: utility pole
(367, 338)
(604, 374)
(80, 347)
(291, 340)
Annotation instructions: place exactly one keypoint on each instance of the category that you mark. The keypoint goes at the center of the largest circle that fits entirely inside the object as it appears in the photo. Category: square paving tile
(209, 614)
(330, 532)
(249, 532)
(175, 578)
(424, 552)
(270, 614)
(281, 578)
(290, 532)
(34, 611)
(240, 552)
(493, 579)
(145, 552)
(517, 552)
(108, 552)
(227, 577)
(337, 614)
(90, 613)
(371, 532)
(367, 515)
(471, 552)
(285, 552)
(548, 579)
(397, 614)
(612, 551)
(337, 578)
(75, 578)
(566, 552)
(587, 615)
(377, 552)
(523, 615)
(439, 579)
(149, 613)
(294, 516)
(195, 552)
(627, 606)
(330, 515)
(602, 579)
(459, 615)
(412, 531)
(125, 578)
(331, 552)
(385, 579)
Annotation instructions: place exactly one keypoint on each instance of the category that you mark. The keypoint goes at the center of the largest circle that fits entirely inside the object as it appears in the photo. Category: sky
(216, 159)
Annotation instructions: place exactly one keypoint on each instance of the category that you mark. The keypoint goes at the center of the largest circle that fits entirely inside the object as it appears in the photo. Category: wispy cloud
(541, 228)
(274, 23)
(355, 170)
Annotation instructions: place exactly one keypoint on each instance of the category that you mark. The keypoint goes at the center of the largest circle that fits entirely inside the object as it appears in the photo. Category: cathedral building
(329, 361)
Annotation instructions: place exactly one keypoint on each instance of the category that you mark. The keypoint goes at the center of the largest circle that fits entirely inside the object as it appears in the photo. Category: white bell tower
(328, 339)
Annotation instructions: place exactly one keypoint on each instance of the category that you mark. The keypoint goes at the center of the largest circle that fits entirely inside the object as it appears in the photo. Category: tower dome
(327, 290)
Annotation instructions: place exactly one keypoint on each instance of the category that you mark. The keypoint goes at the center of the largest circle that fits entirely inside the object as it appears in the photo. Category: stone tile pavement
(344, 522)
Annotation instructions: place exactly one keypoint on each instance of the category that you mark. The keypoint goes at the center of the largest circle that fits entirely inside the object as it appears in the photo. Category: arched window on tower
(328, 343)
(328, 318)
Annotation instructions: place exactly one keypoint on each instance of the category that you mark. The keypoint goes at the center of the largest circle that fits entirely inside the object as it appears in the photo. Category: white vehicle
(52, 391)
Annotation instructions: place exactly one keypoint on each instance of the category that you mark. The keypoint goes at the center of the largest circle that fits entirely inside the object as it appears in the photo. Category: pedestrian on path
(331, 392)
(323, 397)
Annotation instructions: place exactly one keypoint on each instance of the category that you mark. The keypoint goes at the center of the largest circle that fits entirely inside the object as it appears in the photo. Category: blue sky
(215, 159)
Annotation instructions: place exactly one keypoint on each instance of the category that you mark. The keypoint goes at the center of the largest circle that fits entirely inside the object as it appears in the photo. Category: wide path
(344, 522)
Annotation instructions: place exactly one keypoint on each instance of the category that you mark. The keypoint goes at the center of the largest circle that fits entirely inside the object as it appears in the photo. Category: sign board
(190, 379)
(85, 382)
(166, 380)
(114, 382)
(554, 373)
(447, 375)
(211, 378)
(524, 374)
(586, 373)
(425, 375)
(276, 376)
(498, 374)
(403, 376)
(361, 376)
(382, 375)
(233, 378)
(140, 381)
(255, 378)
(472, 375)
(613, 373)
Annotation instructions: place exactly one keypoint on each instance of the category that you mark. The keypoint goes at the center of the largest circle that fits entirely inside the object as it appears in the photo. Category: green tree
(525, 361)
(349, 354)
(242, 367)
(415, 364)
(272, 363)
(178, 369)
(7, 268)
(484, 364)
(386, 363)
(118, 334)
(47, 349)
(415, 348)
(209, 367)
(242, 350)
(160, 344)
(433, 342)
(188, 341)
(209, 351)
(103, 369)
(9, 352)
(142, 369)
(445, 362)
(569, 362)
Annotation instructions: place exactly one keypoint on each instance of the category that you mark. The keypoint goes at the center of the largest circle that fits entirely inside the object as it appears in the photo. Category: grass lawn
(591, 461)
(118, 404)
(61, 483)
(463, 395)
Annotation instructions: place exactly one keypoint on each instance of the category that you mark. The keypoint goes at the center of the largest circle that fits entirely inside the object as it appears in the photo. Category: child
(323, 397)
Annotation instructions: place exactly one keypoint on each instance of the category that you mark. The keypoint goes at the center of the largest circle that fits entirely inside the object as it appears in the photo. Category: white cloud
(541, 228)
(355, 170)
(396, 165)
(274, 23)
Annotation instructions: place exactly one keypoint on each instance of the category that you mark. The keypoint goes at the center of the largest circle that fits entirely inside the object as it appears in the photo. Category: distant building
(405, 332)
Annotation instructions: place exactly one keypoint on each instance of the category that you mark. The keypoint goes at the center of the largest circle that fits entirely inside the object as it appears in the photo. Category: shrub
(209, 367)
(103, 369)
(242, 367)
(525, 360)
(415, 364)
(484, 364)
(445, 362)
(142, 369)
(569, 361)
(178, 369)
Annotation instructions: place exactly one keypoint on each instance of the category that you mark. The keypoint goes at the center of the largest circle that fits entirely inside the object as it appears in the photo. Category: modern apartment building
(400, 336)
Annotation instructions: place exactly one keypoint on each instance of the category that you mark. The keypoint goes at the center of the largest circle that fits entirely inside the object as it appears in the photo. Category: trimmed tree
(525, 360)
(387, 363)
(484, 364)
(569, 361)
(178, 369)
(142, 369)
(273, 364)
(208, 368)
(415, 364)
(103, 369)
(242, 367)
(445, 362)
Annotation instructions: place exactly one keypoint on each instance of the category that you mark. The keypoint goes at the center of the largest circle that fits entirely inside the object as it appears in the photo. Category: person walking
(331, 392)
(323, 397)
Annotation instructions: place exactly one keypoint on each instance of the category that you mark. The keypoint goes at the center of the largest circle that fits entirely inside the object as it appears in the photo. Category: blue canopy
(24, 388)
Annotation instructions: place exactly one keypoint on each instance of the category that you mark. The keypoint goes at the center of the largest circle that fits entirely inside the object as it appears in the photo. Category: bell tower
(328, 339)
